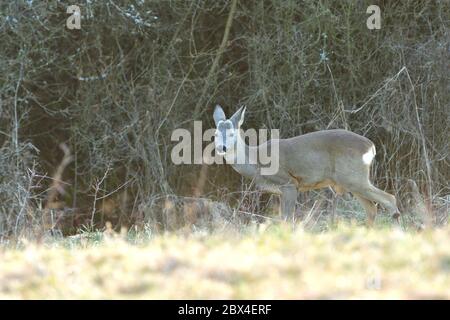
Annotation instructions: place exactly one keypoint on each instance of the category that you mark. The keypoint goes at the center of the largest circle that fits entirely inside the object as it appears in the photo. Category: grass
(266, 261)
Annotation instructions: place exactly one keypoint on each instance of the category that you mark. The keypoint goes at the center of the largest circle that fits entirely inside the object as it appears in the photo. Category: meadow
(262, 261)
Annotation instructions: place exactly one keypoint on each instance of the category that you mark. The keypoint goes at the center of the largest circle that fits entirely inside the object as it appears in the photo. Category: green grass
(266, 261)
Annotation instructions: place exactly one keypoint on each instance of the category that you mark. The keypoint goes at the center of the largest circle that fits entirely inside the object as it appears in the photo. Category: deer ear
(238, 118)
(218, 115)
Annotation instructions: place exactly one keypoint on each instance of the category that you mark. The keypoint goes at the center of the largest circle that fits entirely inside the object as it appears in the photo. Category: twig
(425, 151)
(258, 215)
(114, 191)
(218, 56)
(26, 198)
(376, 92)
(310, 213)
(16, 120)
(338, 101)
(57, 176)
(96, 189)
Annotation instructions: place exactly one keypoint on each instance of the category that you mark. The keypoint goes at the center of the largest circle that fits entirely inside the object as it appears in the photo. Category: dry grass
(267, 261)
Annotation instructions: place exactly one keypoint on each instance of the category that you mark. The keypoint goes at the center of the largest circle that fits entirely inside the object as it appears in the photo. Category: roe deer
(338, 158)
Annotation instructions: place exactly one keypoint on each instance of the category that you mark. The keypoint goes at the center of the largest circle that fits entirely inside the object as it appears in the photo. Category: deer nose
(221, 148)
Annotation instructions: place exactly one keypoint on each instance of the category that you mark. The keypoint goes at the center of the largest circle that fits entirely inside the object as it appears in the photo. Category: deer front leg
(288, 199)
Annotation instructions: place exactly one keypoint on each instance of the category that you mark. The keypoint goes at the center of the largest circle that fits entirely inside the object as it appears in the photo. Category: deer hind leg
(358, 184)
(387, 200)
(288, 199)
(369, 207)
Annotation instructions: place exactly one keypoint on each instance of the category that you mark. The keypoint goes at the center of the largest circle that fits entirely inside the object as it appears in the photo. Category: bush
(114, 91)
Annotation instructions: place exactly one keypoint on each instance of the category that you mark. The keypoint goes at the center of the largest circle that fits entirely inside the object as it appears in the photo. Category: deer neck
(240, 158)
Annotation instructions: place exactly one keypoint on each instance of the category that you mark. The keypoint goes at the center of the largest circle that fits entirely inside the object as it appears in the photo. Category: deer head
(227, 130)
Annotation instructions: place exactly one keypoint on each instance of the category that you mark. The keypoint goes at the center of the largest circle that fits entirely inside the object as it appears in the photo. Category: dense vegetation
(86, 115)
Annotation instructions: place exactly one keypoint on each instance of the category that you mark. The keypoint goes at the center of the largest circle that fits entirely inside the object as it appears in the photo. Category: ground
(263, 262)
